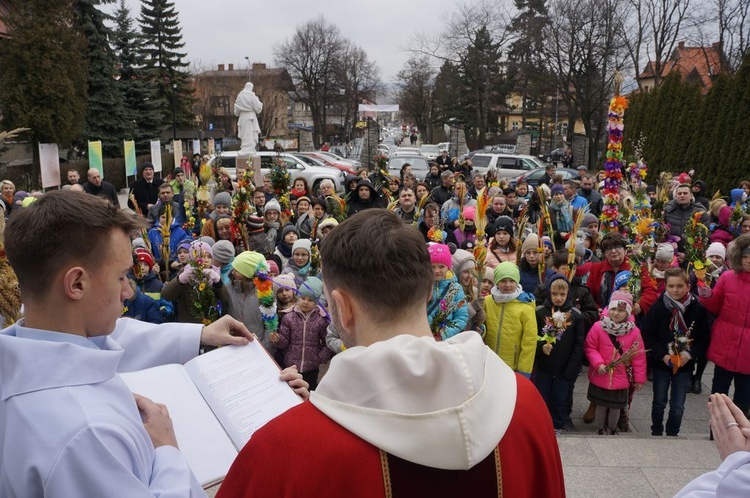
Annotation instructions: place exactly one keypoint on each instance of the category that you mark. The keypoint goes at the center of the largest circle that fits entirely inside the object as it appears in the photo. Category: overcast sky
(227, 31)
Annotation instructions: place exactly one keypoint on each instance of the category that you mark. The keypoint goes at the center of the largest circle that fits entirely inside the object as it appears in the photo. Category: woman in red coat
(730, 335)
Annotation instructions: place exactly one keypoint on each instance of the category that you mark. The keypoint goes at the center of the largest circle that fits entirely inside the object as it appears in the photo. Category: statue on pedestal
(246, 108)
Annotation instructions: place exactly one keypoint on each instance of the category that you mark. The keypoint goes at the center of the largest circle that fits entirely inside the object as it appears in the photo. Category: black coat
(106, 190)
(146, 193)
(657, 334)
(567, 353)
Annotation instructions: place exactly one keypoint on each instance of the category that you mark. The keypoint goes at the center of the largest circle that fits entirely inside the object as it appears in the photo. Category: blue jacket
(176, 235)
(143, 308)
(459, 312)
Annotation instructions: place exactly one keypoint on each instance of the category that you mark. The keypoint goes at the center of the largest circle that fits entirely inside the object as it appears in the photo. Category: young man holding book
(399, 413)
(69, 426)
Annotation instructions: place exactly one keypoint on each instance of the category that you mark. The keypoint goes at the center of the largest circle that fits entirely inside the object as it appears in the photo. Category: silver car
(313, 175)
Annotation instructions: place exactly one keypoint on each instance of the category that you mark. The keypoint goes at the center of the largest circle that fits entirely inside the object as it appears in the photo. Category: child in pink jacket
(608, 340)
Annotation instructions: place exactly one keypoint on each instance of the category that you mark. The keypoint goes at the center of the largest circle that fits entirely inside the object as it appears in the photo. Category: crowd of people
(531, 271)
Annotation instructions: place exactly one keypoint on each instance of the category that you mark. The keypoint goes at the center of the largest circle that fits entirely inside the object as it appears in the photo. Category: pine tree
(43, 74)
(165, 68)
(140, 94)
(106, 117)
(448, 96)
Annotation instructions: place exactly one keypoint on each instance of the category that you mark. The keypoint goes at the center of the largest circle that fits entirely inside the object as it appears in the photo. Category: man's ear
(347, 309)
(75, 282)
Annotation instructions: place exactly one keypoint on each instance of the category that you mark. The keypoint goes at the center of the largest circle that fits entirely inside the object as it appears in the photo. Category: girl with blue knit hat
(511, 320)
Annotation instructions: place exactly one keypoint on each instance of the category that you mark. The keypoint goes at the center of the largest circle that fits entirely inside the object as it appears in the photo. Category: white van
(505, 165)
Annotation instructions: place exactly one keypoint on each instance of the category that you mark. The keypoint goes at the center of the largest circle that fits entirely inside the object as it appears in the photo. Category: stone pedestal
(457, 138)
(306, 141)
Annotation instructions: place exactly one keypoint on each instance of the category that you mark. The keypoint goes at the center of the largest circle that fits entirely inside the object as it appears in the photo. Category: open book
(216, 401)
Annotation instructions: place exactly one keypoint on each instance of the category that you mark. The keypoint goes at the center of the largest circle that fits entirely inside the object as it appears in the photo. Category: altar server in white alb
(69, 426)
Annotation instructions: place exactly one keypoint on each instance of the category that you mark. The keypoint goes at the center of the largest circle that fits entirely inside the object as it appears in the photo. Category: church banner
(177, 147)
(95, 156)
(130, 161)
(196, 146)
(49, 159)
(156, 155)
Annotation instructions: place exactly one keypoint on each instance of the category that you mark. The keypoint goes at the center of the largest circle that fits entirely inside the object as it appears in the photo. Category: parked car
(296, 167)
(419, 166)
(327, 160)
(355, 163)
(431, 152)
(407, 151)
(444, 146)
(533, 177)
(505, 165)
(385, 149)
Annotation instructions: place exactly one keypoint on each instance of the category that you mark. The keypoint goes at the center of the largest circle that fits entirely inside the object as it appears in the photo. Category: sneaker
(560, 432)
(601, 432)
(671, 435)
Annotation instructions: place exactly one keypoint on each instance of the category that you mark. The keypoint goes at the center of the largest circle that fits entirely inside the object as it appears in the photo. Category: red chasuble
(303, 453)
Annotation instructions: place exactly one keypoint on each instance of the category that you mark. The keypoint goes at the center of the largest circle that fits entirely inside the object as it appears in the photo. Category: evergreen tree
(482, 82)
(144, 108)
(43, 74)
(448, 96)
(106, 118)
(161, 49)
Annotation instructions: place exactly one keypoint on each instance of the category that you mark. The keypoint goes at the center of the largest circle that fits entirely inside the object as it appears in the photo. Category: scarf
(563, 217)
(285, 249)
(298, 193)
(499, 297)
(677, 308)
(616, 329)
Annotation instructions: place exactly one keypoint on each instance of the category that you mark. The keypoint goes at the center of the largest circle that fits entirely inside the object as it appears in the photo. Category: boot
(622, 424)
(588, 417)
(697, 386)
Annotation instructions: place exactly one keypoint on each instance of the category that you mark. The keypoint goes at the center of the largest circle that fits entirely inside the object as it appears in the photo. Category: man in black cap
(146, 190)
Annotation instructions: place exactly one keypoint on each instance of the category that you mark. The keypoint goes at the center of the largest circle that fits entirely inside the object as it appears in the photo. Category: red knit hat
(143, 256)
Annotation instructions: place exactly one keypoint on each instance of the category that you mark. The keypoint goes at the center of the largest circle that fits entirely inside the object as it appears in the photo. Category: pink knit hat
(440, 254)
(470, 213)
(622, 300)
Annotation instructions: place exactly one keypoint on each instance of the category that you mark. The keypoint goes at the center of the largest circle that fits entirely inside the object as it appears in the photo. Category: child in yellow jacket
(511, 320)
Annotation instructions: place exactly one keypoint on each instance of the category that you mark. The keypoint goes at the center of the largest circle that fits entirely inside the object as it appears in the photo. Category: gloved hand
(186, 275)
(212, 275)
(704, 290)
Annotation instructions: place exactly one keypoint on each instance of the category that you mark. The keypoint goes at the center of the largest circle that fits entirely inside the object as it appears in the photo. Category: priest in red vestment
(399, 413)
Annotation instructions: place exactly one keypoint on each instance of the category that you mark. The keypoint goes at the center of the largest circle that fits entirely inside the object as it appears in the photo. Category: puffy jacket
(658, 335)
(600, 351)
(678, 216)
(244, 306)
(459, 317)
(303, 337)
(567, 353)
(143, 308)
(730, 335)
(451, 209)
(511, 332)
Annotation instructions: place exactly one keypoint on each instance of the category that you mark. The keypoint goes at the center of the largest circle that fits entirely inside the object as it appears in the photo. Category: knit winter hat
(208, 240)
(272, 205)
(547, 241)
(489, 274)
(556, 189)
(199, 246)
(504, 223)
(143, 256)
(272, 266)
(589, 219)
(287, 229)
(621, 279)
(246, 263)
(305, 244)
(254, 223)
(664, 252)
(138, 242)
(185, 244)
(328, 222)
(146, 165)
(223, 252)
(463, 260)
(506, 269)
(621, 300)
(530, 243)
(716, 249)
(470, 213)
(312, 288)
(223, 199)
(284, 281)
(440, 254)
(177, 171)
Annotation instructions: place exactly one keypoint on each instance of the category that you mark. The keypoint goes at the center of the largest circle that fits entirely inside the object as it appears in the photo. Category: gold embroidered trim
(386, 474)
(499, 473)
